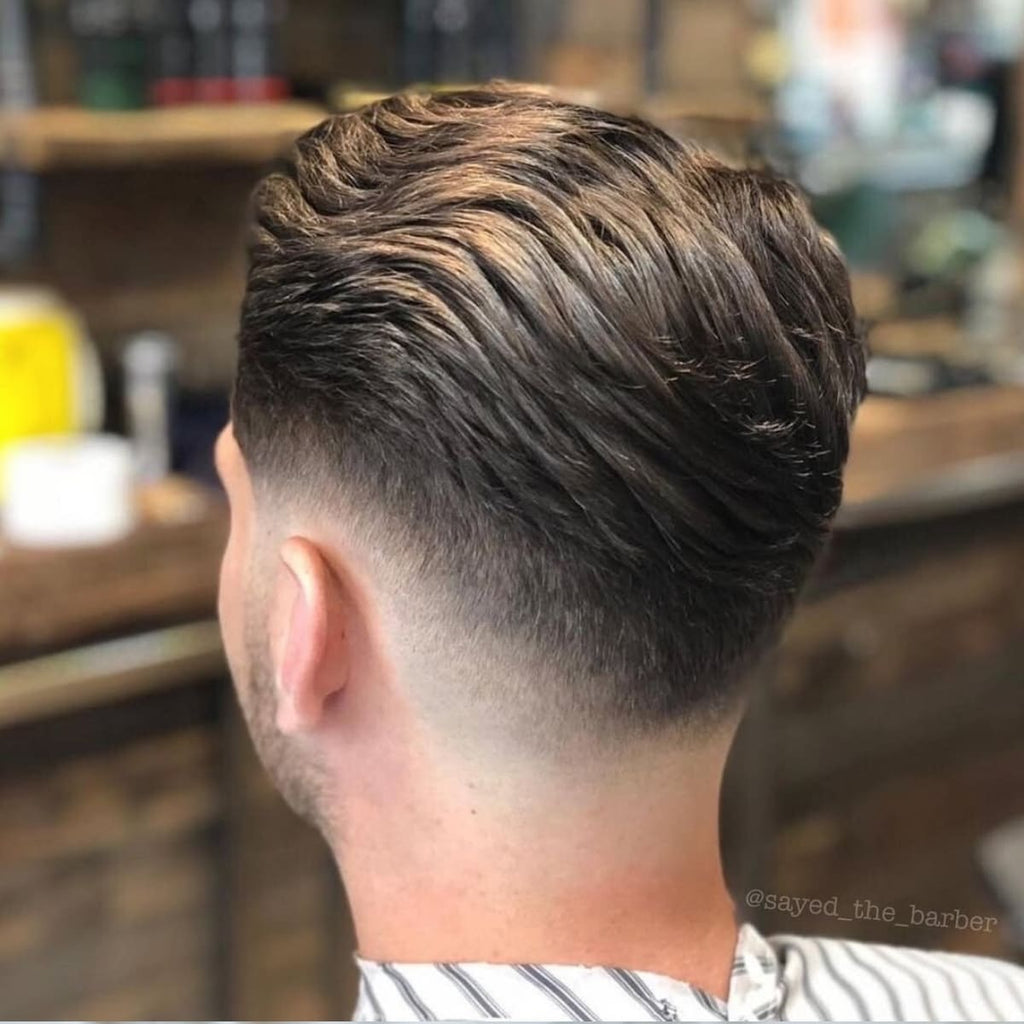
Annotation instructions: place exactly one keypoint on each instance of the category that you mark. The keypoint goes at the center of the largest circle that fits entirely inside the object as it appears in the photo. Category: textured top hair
(595, 383)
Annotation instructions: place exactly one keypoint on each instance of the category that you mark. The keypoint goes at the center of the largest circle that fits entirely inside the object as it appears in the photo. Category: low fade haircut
(589, 386)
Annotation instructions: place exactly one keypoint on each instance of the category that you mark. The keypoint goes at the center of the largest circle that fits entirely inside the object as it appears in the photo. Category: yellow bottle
(50, 381)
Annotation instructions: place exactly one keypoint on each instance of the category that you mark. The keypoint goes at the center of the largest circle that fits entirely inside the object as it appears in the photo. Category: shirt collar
(429, 991)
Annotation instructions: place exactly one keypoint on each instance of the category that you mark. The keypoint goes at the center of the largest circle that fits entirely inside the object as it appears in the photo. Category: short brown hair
(600, 382)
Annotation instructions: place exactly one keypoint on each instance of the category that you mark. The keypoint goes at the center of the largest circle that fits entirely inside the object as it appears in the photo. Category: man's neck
(625, 876)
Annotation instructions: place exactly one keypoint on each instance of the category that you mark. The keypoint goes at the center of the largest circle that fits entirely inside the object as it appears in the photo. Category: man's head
(540, 417)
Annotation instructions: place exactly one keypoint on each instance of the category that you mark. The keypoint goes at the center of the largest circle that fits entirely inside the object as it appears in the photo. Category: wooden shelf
(901, 444)
(111, 670)
(58, 137)
(163, 571)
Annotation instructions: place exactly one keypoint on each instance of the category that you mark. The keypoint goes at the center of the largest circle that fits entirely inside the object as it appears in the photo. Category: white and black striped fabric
(786, 977)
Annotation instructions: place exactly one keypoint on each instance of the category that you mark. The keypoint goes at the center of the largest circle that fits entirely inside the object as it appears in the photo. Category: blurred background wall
(147, 870)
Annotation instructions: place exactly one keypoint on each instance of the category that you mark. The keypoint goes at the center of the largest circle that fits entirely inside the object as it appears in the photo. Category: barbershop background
(147, 870)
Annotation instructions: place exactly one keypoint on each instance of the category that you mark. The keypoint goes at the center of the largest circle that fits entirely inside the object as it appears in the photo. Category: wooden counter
(148, 871)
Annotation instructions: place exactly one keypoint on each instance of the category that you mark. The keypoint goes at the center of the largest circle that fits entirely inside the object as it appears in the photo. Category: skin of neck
(459, 840)
(611, 862)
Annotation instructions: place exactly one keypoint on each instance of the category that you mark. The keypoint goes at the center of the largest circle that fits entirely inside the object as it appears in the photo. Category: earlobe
(304, 679)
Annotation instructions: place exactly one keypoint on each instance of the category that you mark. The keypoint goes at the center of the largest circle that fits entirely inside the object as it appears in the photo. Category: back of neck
(626, 874)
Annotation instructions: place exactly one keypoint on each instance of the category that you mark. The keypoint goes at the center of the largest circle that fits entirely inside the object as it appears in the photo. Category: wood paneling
(107, 878)
(148, 871)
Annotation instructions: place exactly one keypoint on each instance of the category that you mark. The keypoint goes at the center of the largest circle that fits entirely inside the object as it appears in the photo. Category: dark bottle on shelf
(210, 21)
(111, 54)
(256, 50)
(454, 28)
(19, 191)
(417, 49)
(171, 58)
(496, 41)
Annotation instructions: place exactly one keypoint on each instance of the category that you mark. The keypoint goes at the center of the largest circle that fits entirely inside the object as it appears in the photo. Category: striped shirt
(785, 977)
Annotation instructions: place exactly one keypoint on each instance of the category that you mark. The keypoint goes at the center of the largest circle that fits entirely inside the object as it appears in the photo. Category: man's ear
(307, 609)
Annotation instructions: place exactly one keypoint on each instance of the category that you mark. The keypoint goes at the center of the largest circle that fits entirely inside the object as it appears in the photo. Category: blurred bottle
(49, 375)
(995, 310)
(497, 41)
(210, 21)
(150, 360)
(17, 77)
(453, 23)
(18, 188)
(171, 58)
(54, 50)
(418, 57)
(256, 50)
(448, 42)
(111, 48)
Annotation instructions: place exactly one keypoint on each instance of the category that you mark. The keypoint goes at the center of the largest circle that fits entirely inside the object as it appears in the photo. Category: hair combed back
(600, 382)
